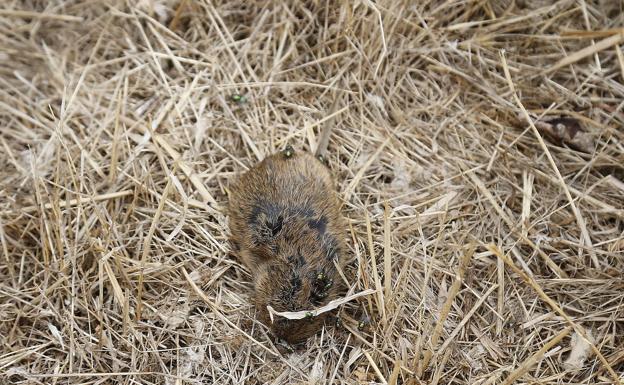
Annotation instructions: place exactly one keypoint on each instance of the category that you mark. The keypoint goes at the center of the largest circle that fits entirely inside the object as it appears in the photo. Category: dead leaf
(56, 333)
(581, 351)
(565, 130)
(314, 312)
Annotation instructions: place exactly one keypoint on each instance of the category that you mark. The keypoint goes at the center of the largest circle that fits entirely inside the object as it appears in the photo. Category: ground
(477, 146)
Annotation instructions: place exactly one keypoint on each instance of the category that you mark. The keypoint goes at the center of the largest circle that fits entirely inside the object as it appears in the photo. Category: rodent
(287, 229)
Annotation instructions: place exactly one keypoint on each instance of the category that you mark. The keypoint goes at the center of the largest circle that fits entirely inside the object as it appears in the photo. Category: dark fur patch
(295, 283)
(266, 221)
(276, 213)
(316, 300)
(319, 225)
(276, 226)
(302, 211)
(297, 261)
(289, 291)
(269, 210)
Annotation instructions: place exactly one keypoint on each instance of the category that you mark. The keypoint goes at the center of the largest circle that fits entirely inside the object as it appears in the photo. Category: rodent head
(295, 280)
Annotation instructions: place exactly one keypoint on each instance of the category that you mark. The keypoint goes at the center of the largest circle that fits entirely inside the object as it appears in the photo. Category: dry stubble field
(478, 148)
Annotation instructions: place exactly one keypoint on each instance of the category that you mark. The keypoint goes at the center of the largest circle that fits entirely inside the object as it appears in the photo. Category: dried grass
(495, 253)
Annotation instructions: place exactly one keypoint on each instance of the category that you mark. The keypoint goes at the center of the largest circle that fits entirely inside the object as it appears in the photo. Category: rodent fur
(287, 229)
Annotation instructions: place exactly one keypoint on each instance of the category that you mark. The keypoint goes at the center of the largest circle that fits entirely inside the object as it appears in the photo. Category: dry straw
(122, 122)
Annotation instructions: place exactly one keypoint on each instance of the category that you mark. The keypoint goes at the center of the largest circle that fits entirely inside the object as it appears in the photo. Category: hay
(492, 237)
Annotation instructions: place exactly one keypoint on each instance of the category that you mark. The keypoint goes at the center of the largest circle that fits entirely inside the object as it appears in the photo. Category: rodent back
(285, 219)
(280, 194)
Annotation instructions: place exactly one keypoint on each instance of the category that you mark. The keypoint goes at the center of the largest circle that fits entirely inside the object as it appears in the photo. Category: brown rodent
(286, 227)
